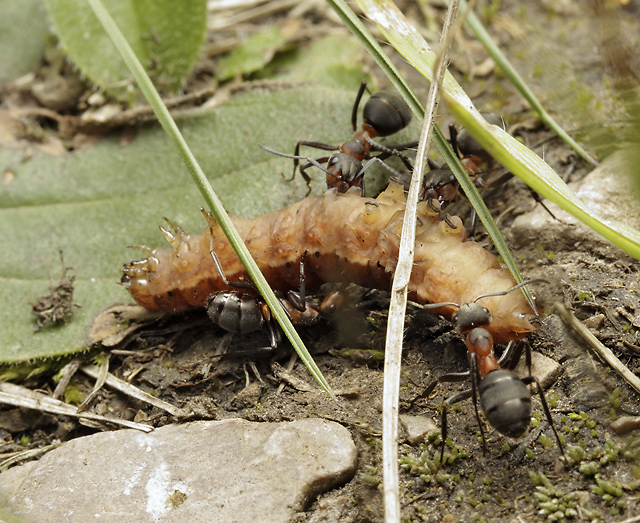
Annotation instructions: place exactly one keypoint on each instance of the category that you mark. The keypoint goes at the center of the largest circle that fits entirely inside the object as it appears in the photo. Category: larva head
(470, 316)
(386, 112)
(506, 402)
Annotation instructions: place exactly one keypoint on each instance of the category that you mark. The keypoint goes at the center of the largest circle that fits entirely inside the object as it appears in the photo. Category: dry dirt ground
(522, 480)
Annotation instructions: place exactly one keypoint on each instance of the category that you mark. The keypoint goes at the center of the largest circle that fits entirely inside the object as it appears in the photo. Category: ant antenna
(312, 161)
(442, 304)
(502, 293)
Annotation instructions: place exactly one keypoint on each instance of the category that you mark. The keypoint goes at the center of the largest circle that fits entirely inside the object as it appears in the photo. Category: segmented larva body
(347, 239)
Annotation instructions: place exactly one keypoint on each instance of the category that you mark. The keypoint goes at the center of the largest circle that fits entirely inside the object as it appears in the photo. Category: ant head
(470, 316)
(344, 167)
(386, 112)
(439, 184)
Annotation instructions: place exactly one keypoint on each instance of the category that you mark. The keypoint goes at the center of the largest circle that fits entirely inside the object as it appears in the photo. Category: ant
(441, 184)
(243, 313)
(384, 114)
(343, 171)
(505, 398)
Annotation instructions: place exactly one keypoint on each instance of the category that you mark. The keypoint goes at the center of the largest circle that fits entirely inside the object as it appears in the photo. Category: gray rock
(416, 427)
(607, 191)
(231, 471)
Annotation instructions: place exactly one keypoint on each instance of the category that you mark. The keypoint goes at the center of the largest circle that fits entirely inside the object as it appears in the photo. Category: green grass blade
(205, 188)
(514, 156)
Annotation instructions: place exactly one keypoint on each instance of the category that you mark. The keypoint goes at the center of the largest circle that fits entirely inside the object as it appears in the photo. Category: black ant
(440, 183)
(241, 312)
(505, 398)
(343, 171)
(384, 114)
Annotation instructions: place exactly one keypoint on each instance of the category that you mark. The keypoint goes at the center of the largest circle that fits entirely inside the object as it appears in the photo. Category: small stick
(598, 347)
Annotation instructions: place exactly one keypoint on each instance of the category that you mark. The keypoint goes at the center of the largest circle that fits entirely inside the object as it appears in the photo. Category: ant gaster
(241, 312)
(505, 399)
(384, 114)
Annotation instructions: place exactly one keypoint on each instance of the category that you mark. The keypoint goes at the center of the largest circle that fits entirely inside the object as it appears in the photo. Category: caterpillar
(348, 239)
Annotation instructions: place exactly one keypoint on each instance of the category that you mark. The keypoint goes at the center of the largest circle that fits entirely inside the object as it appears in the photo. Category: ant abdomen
(506, 402)
(386, 112)
(235, 311)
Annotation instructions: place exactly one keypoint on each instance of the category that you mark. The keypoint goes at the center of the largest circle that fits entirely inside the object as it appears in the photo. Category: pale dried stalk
(598, 347)
(18, 396)
(130, 390)
(397, 307)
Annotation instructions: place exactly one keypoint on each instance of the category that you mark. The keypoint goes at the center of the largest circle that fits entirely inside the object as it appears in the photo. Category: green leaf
(23, 27)
(95, 202)
(252, 54)
(166, 36)
(317, 62)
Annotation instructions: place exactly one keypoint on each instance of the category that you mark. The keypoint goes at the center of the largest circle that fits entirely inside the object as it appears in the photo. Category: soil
(516, 480)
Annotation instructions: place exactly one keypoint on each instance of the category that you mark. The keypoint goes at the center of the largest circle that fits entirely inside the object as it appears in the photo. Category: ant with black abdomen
(384, 114)
(505, 399)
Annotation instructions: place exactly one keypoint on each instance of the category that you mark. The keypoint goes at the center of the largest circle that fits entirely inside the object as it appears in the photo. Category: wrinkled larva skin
(347, 239)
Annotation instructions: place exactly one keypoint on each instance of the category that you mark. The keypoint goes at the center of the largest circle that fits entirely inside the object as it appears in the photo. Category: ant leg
(393, 150)
(307, 143)
(503, 178)
(272, 327)
(306, 165)
(473, 364)
(354, 111)
(511, 356)
(216, 262)
(316, 162)
(465, 394)
(547, 412)
(538, 199)
(453, 138)
(370, 162)
(298, 299)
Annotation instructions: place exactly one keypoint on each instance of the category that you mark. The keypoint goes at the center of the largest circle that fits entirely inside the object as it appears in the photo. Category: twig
(134, 392)
(27, 454)
(598, 347)
(11, 394)
(397, 307)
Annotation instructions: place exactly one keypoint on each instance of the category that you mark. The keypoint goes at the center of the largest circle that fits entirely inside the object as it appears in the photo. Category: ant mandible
(505, 398)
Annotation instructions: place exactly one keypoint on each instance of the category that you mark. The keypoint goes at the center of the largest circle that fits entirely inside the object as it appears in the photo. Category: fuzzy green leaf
(252, 54)
(23, 27)
(166, 36)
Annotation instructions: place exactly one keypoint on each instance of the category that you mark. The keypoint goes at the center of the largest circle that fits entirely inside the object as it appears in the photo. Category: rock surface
(231, 470)
(607, 191)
